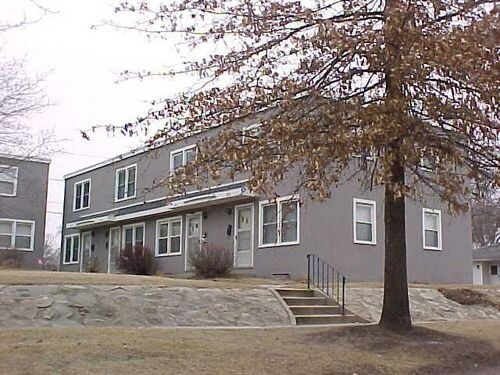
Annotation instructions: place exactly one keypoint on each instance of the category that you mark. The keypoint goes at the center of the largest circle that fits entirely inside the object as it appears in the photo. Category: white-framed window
(250, 131)
(168, 236)
(81, 195)
(126, 181)
(17, 234)
(133, 235)
(8, 180)
(71, 249)
(494, 269)
(279, 222)
(364, 221)
(431, 229)
(182, 156)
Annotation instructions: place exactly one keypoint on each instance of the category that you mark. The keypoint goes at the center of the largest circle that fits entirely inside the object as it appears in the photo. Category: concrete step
(319, 319)
(315, 309)
(291, 292)
(302, 301)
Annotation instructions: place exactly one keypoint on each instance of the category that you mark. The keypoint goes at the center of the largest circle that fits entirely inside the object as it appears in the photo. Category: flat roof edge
(26, 158)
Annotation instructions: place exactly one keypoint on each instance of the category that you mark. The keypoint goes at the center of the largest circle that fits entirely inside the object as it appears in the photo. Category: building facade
(121, 202)
(23, 204)
(486, 265)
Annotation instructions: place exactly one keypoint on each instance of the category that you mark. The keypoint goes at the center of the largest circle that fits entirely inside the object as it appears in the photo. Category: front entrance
(113, 249)
(193, 236)
(86, 251)
(243, 236)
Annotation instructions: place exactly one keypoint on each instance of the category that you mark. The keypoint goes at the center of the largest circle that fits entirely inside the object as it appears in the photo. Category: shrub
(211, 261)
(136, 260)
(11, 258)
(93, 265)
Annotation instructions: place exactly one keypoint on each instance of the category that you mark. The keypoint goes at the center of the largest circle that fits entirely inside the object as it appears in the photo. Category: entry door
(193, 236)
(113, 249)
(243, 236)
(86, 251)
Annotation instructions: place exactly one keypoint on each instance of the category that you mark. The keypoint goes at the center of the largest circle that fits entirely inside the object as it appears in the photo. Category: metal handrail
(324, 277)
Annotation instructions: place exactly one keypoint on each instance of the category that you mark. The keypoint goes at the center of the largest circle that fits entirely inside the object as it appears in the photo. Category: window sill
(81, 209)
(167, 255)
(8, 195)
(70, 263)
(365, 243)
(433, 248)
(15, 248)
(124, 199)
(279, 244)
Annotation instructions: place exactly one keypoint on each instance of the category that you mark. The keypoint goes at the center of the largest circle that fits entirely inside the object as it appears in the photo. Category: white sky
(84, 65)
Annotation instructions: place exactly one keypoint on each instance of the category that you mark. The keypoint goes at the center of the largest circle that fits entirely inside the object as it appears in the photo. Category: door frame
(252, 234)
(109, 244)
(188, 216)
(82, 236)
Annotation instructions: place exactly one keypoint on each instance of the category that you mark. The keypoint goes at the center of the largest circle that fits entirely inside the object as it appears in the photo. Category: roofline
(116, 158)
(26, 158)
(141, 150)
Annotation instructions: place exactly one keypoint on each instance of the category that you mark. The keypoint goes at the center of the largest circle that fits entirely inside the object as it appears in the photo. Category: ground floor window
(71, 248)
(17, 234)
(133, 235)
(494, 269)
(279, 222)
(168, 236)
(431, 223)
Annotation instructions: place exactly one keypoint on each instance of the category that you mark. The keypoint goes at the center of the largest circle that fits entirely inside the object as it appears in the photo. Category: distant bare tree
(486, 215)
(21, 96)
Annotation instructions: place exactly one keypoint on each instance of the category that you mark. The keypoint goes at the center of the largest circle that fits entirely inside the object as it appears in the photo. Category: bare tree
(404, 82)
(20, 97)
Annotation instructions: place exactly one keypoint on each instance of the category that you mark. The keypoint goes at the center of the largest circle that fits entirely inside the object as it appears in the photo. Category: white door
(243, 236)
(193, 236)
(113, 249)
(86, 251)
(477, 273)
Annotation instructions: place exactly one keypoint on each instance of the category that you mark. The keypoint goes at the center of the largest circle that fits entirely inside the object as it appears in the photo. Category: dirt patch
(437, 346)
(465, 296)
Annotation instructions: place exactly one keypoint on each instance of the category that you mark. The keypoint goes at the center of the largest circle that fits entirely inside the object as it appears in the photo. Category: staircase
(312, 307)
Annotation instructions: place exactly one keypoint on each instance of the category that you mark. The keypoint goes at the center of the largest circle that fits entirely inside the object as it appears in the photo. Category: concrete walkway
(139, 306)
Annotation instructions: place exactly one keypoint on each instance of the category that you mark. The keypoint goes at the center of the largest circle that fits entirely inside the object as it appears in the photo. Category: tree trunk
(396, 309)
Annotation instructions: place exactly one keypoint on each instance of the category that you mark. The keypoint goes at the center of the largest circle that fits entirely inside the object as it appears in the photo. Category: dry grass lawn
(438, 348)
(26, 277)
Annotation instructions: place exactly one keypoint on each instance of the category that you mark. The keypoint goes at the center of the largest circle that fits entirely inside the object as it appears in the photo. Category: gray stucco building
(23, 203)
(115, 203)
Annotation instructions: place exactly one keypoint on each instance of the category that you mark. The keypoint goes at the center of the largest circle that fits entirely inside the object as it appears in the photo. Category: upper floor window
(168, 236)
(431, 222)
(8, 180)
(494, 269)
(81, 197)
(17, 234)
(126, 179)
(71, 249)
(364, 215)
(181, 157)
(279, 222)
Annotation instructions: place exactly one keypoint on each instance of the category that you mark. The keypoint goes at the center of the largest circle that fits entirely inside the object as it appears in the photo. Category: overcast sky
(83, 65)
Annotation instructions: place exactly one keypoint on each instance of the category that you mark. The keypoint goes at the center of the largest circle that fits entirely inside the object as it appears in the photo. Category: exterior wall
(484, 272)
(326, 228)
(30, 203)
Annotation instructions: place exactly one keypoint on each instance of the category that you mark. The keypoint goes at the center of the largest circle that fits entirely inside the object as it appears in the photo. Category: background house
(122, 202)
(23, 203)
(486, 265)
